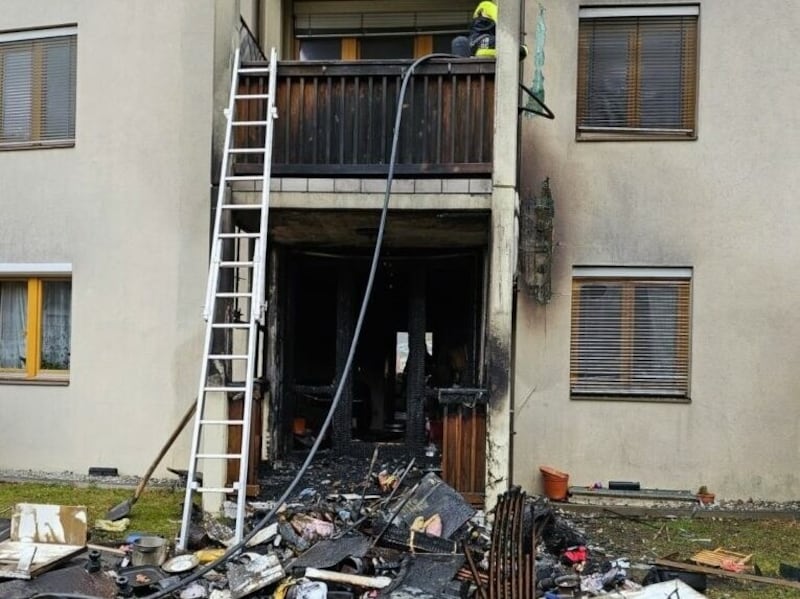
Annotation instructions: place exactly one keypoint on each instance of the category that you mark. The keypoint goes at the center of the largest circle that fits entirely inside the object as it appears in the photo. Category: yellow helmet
(486, 9)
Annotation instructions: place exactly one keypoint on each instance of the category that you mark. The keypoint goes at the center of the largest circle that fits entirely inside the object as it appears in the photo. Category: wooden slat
(349, 48)
(235, 412)
(450, 442)
(459, 455)
(423, 44)
(717, 572)
(718, 556)
(464, 450)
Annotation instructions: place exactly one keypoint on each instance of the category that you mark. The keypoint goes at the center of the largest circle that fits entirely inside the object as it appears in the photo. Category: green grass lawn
(156, 512)
(770, 541)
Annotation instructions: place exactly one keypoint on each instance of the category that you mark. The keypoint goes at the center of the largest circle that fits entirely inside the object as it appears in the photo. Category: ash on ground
(330, 473)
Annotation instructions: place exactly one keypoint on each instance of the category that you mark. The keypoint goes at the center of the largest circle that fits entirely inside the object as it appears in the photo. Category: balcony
(335, 119)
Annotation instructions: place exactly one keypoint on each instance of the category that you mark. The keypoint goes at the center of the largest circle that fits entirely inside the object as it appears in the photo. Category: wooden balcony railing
(335, 119)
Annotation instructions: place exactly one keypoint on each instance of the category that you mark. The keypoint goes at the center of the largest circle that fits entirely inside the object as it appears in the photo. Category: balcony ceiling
(358, 228)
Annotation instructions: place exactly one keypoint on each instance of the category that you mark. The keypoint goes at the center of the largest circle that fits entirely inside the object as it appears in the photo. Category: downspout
(259, 24)
(513, 349)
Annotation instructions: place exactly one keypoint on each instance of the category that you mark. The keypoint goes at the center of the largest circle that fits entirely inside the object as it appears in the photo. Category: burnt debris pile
(404, 534)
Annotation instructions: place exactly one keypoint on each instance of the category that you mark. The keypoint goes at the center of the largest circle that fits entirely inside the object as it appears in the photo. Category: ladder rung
(249, 123)
(250, 70)
(224, 389)
(234, 294)
(215, 489)
(231, 325)
(236, 263)
(241, 206)
(246, 150)
(219, 456)
(251, 96)
(239, 235)
(224, 422)
(244, 178)
(227, 356)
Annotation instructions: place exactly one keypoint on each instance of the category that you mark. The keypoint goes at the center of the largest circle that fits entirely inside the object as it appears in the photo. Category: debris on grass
(419, 538)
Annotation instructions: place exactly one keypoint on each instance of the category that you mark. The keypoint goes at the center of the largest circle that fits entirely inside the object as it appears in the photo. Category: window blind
(37, 89)
(630, 337)
(638, 74)
(322, 24)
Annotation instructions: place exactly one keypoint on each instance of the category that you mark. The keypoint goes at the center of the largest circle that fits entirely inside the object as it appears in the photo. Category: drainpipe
(259, 26)
(513, 361)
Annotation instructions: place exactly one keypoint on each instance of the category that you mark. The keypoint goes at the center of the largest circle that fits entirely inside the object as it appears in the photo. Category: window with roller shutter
(37, 88)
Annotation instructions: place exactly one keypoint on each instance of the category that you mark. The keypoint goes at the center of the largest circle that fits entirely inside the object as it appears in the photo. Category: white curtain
(13, 316)
(56, 325)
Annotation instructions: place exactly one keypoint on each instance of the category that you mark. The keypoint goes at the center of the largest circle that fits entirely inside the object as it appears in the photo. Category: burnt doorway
(420, 351)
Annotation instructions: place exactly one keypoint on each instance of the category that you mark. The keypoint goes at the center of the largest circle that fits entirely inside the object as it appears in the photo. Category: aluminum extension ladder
(246, 285)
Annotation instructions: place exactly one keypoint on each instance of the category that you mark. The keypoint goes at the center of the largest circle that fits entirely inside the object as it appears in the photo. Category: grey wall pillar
(502, 252)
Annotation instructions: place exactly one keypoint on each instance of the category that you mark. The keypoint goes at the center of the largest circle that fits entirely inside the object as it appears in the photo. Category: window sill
(40, 381)
(623, 135)
(37, 145)
(660, 399)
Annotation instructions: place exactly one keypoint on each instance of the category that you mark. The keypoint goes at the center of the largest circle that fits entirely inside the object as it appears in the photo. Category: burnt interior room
(420, 340)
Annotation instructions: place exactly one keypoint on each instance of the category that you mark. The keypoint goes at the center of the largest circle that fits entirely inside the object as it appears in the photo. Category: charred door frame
(346, 314)
(279, 361)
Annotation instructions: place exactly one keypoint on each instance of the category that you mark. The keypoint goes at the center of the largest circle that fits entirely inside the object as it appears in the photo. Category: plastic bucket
(556, 483)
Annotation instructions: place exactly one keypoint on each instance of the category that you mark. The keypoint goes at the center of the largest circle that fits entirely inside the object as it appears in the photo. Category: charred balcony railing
(336, 118)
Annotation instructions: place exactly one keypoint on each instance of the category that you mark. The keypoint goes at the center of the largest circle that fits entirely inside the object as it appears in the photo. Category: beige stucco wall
(128, 207)
(725, 205)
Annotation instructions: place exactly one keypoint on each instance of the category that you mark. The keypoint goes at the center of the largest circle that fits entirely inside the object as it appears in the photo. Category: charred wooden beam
(345, 325)
(415, 371)
(511, 557)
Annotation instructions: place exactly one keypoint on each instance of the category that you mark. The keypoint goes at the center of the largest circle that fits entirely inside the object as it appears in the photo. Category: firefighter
(482, 30)
(481, 39)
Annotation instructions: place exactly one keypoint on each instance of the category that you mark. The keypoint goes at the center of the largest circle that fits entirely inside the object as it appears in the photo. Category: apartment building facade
(113, 152)
(106, 143)
(667, 352)
(663, 354)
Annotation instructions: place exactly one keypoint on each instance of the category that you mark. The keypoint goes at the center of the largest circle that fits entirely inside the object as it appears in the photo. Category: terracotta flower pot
(706, 498)
(556, 483)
